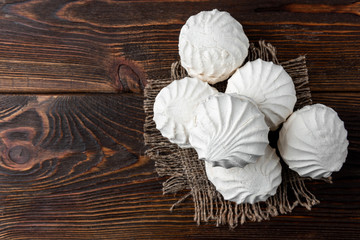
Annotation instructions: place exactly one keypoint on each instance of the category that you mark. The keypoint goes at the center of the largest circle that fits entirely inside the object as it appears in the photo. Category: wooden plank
(73, 167)
(50, 126)
(112, 46)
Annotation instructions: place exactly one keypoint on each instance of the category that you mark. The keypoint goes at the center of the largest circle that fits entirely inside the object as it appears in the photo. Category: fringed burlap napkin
(186, 171)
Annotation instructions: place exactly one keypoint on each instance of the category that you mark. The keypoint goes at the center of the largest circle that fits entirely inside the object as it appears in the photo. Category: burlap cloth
(187, 172)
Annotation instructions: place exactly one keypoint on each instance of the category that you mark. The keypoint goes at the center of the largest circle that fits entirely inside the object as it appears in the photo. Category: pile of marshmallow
(229, 131)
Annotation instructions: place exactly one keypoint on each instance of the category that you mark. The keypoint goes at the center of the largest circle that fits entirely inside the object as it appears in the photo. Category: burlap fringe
(186, 171)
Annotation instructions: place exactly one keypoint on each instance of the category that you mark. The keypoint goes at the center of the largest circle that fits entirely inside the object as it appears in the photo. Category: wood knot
(129, 79)
(19, 154)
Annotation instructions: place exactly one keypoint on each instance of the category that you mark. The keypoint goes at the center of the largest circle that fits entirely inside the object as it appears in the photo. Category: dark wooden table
(71, 119)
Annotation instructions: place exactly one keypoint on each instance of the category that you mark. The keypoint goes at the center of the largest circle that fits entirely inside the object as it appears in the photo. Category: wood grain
(78, 46)
(72, 162)
(87, 178)
(324, 8)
